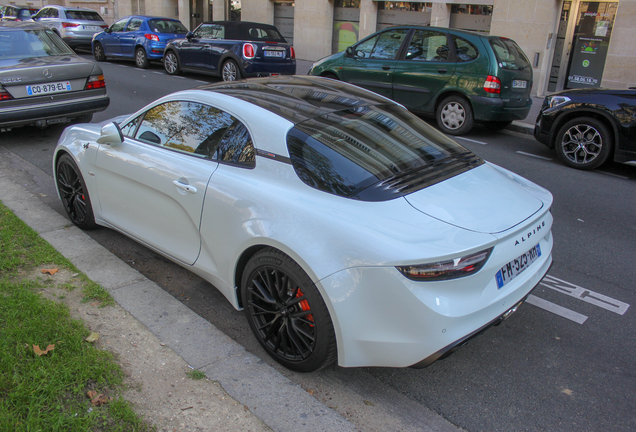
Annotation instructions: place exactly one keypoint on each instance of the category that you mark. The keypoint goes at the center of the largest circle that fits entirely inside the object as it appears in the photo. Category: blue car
(142, 38)
(231, 50)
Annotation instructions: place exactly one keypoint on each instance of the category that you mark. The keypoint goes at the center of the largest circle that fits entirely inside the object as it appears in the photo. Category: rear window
(509, 55)
(374, 153)
(255, 32)
(83, 15)
(167, 26)
(31, 43)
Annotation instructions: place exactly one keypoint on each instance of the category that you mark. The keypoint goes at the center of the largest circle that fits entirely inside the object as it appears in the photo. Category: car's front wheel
(73, 192)
(287, 313)
(584, 143)
(455, 116)
(98, 52)
(171, 63)
(230, 71)
(141, 59)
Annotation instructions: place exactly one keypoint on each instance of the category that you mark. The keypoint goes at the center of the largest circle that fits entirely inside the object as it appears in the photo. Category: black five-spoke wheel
(72, 190)
(287, 313)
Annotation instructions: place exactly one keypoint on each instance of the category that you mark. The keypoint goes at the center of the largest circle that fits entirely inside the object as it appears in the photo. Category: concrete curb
(278, 402)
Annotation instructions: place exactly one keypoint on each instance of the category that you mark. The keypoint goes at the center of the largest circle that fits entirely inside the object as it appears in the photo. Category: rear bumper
(495, 109)
(28, 113)
(255, 69)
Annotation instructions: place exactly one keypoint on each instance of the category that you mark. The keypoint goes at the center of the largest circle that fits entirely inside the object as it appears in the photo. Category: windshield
(509, 55)
(374, 153)
(166, 26)
(18, 44)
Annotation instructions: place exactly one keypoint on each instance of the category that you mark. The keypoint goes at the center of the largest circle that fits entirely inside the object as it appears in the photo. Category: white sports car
(344, 226)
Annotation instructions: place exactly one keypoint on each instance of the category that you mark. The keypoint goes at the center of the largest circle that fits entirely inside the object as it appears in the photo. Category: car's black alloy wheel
(98, 52)
(141, 59)
(455, 115)
(230, 71)
(584, 143)
(287, 313)
(72, 190)
(171, 63)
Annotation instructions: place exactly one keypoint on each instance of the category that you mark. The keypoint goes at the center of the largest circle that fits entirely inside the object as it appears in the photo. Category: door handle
(386, 67)
(185, 187)
(442, 71)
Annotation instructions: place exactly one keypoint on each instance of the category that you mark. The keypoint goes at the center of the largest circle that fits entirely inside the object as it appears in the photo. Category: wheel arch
(440, 97)
(230, 56)
(330, 74)
(568, 115)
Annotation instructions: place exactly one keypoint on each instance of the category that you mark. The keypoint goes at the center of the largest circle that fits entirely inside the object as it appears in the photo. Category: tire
(73, 192)
(141, 59)
(497, 125)
(230, 71)
(287, 313)
(584, 143)
(171, 63)
(455, 116)
(98, 52)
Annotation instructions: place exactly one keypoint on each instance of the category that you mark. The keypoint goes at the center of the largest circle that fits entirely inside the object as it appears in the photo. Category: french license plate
(516, 266)
(274, 53)
(93, 28)
(56, 87)
(519, 84)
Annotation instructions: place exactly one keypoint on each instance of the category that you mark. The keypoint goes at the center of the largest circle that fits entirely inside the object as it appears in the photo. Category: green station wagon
(460, 77)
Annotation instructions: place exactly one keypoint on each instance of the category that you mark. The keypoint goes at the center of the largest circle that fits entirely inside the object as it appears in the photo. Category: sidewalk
(525, 126)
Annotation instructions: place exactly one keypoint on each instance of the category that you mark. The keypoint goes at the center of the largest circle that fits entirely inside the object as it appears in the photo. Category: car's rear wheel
(73, 192)
(455, 116)
(98, 52)
(584, 143)
(141, 59)
(171, 63)
(287, 313)
(230, 71)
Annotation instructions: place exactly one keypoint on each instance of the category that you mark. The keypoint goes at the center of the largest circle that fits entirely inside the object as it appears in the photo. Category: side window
(40, 14)
(389, 44)
(188, 127)
(465, 50)
(53, 13)
(365, 48)
(119, 25)
(428, 45)
(134, 24)
(236, 146)
(215, 31)
(130, 128)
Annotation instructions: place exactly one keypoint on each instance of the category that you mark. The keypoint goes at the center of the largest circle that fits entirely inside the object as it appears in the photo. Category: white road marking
(586, 295)
(177, 76)
(614, 175)
(534, 155)
(158, 73)
(204, 82)
(471, 140)
(556, 309)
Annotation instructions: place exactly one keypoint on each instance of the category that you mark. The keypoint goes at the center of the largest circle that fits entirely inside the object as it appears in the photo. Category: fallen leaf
(38, 351)
(100, 400)
(310, 391)
(91, 394)
(567, 392)
(50, 271)
(366, 402)
(92, 337)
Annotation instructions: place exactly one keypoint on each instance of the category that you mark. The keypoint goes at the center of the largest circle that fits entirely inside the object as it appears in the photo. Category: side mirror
(189, 35)
(111, 134)
(349, 51)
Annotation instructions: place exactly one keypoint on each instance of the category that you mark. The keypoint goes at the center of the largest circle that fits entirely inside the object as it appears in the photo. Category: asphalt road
(563, 362)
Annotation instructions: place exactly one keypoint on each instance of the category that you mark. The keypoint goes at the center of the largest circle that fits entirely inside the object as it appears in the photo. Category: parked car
(588, 127)
(42, 81)
(231, 50)
(16, 13)
(344, 226)
(76, 26)
(458, 76)
(142, 38)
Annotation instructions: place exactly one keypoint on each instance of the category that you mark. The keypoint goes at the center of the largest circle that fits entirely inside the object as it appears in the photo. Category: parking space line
(534, 155)
(158, 73)
(177, 76)
(471, 140)
(585, 294)
(556, 309)
(204, 82)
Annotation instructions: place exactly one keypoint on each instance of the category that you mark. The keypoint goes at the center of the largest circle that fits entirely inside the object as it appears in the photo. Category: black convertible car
(588, 127)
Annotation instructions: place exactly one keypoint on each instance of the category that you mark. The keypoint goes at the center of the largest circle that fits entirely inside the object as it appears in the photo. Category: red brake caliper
(304, 305)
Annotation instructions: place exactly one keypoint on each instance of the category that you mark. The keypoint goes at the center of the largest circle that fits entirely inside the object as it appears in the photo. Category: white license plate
(516, 266)
(274, 53)
(519, 84)
(93, 28)
(56, 87)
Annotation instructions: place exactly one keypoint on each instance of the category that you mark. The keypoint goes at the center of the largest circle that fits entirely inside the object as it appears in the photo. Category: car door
(128, 37)
(152, 185)
(371, 63)
(47, 17)
(195, 51)
(424, 69)
(110, 39)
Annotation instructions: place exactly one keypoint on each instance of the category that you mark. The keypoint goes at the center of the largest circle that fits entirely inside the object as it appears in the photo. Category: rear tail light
(492, 85)
(249, 51)
(95, 82)
(444, 270)
(67, 24)
(293, 53)
(104, 26)
(5, 95)
(152, 37)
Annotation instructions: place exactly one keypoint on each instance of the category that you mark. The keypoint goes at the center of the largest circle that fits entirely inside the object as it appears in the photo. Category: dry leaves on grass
(98, 399)
(92, 337)
(38, 351)
(49, 271)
